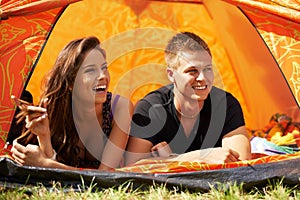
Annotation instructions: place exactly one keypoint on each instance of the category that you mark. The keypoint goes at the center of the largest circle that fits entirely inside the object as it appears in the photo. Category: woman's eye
(89, 70)
(104, 67)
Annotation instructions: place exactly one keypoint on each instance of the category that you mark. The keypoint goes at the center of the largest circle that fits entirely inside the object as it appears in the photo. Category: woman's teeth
(100, 88)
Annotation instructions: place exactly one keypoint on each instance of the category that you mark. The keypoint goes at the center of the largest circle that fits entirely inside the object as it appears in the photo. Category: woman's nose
(101, 75)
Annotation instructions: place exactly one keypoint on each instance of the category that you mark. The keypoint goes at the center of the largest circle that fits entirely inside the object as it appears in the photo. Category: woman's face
(92, 80)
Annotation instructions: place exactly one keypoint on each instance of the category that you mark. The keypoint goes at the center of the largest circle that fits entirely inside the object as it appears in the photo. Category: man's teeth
(200, 87)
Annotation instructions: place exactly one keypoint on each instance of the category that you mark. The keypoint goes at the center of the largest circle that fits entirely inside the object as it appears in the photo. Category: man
(190, 119)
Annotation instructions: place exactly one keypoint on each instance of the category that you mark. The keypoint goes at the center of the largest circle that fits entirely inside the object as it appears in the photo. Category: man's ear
(170, 73)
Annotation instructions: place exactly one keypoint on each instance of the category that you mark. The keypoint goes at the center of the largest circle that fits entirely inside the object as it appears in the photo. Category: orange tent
(254, 46)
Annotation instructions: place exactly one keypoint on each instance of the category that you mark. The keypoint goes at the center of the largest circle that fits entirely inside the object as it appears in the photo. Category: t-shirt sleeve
(147, 121)
(234, 115)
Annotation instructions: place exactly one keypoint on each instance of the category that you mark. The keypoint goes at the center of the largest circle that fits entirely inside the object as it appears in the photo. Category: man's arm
(137, 149)
(238, 141)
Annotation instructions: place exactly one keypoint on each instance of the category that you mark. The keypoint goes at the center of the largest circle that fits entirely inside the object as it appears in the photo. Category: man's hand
(161, 150)
(210, 156)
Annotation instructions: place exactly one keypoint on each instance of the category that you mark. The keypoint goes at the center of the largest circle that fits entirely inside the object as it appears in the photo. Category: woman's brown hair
(57, 89)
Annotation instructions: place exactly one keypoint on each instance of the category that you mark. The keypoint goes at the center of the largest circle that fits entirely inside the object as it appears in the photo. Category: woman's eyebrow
(93, 65)
(104, 64)
(89, 65)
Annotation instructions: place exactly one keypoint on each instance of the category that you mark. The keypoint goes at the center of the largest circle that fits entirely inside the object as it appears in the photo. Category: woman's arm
(32, 155)
(114, 149)
(38, 123)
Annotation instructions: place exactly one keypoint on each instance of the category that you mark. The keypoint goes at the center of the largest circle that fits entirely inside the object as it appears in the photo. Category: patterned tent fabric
(22, 39)
(13, 8)
(278, 22)
(161, 166)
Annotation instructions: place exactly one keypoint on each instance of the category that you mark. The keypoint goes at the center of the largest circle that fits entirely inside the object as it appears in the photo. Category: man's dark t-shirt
(155, 119)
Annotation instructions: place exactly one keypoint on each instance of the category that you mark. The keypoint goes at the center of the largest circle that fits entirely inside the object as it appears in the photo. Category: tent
(255, 47)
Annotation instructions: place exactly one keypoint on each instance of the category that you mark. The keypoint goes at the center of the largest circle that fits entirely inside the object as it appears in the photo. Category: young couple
(80, 124)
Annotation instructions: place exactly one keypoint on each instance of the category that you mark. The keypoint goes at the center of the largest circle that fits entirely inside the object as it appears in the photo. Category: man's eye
(208, 69)
(192, 71)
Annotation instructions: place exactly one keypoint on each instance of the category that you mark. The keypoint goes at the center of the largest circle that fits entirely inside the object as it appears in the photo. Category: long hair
(185, 41)
(57, 88)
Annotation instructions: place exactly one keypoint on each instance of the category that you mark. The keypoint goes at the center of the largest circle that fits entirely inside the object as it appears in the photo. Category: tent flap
(25, 27)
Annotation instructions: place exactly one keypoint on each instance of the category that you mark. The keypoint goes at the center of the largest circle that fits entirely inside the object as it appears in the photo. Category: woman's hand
(37, 120)
(36, 117)
(29, 155)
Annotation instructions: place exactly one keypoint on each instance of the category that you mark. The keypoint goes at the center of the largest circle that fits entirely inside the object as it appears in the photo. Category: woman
(79, 123)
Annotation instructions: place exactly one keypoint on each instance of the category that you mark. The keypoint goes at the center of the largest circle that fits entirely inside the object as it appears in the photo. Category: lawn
(271, 191)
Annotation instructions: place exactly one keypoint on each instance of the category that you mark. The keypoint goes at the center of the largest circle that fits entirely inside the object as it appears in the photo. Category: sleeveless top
(107, 113)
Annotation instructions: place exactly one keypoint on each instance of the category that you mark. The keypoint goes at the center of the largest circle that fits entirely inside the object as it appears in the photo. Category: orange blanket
(160, 166)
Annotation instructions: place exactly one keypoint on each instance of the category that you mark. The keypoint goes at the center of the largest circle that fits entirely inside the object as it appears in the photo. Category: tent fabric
(278, 22)
(286, 171)
(135, 49)
(253, 60)
(260, 170)
(161, 166)
(25, 26)
(287, 9)
(13, 8)
(142, 40)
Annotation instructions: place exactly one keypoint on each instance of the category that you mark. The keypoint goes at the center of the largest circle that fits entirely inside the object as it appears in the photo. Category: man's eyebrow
(195, 66)
(208, 65)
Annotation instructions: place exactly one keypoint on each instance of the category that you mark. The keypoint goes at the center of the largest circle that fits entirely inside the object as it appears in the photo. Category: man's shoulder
(160, 95)
(220, 93)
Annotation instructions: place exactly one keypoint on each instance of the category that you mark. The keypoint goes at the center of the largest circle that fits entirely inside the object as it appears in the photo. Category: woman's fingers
(18, 147)
(18, 151)
(35, 114)
(36, 110)
(45, 103)
(30, 123)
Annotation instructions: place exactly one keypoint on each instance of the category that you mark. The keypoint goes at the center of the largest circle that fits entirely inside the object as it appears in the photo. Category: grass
(271, 192)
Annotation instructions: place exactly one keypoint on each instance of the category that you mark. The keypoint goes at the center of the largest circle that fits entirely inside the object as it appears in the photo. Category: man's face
(193, 78)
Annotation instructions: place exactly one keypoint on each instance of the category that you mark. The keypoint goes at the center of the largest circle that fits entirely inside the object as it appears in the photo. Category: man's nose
(200, 76)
